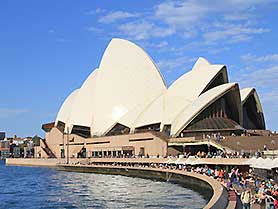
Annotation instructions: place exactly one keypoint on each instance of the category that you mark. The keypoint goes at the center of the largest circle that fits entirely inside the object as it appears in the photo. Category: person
(276, 202)
(262, 197)
(229, 185)
(269, 200)
(246, 198)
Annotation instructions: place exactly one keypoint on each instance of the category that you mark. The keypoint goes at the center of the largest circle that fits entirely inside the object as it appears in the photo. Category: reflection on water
(31, 187)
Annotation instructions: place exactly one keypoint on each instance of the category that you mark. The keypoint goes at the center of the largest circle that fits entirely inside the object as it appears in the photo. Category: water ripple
(41, 188)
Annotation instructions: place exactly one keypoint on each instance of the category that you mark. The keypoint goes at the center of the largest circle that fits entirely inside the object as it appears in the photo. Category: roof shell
(152, 114)
(189, 86)
(65, 110)
(83, 104)
(203, 101)
(246, 93)
(128, 77)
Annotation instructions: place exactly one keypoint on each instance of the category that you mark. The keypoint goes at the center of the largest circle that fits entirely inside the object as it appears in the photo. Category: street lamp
(63, 148)
(67, 133)
(272, 142)
(209, 149)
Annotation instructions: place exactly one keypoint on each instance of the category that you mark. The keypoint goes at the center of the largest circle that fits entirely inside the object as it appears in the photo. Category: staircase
(47, 150)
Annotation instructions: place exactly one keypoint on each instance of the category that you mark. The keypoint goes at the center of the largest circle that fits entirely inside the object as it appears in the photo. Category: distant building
(17, 152)
(16, 147)
(4, 153)
(4, 148)
(18, 140)
(2, 135)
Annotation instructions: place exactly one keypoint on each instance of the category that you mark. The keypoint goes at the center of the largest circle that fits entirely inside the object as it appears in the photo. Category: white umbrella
(198, 161)
(190, 160)
(251, 161)
(263, 163)
(171, 161)
(181, 161)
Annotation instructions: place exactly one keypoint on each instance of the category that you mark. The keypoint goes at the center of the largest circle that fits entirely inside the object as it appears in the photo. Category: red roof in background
(48, 126)
(18, 139)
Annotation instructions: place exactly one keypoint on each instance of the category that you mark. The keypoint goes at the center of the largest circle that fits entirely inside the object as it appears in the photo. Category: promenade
(217, 194)
(233, 174)
(190, 161)
(210, 188)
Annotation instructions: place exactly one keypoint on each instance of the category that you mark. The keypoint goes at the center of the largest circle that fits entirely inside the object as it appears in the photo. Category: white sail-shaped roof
(128, 76)
(189, 86)
(259, 121)
(245, 93)
(128, 89)
(194, 109)
(152, 114)
(65, 110)
(144, 113)
(83, 105)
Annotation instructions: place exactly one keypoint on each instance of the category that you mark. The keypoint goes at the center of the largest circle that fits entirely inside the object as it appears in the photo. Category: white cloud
(192, 19)
(217, 50)
(264, 78)
(144, 30)
(239, 38)
(158, 45)
(168, 65)
(184, 13)
(99, 10)
(271, 97)
(95, 29)
(115, 16)
(95, 11)
(232, 33)
(162, 44)
(181, 13)
(266, 58)
(237, 16)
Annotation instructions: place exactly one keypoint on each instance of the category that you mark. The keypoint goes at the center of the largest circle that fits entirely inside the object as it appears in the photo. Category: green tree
(36, 140)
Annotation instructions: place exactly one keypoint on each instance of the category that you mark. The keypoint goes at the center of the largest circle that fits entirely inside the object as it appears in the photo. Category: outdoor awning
(195, 144)
(265, 163)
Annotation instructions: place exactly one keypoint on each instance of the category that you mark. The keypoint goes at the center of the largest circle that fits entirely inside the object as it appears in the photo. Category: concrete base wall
(207, 187)
(32, 162)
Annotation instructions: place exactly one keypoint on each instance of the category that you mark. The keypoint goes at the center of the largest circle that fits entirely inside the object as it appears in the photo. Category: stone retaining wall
(208, 187)
(32, 162)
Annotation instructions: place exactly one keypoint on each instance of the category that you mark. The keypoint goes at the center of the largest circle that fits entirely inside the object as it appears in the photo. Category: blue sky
(48, 48)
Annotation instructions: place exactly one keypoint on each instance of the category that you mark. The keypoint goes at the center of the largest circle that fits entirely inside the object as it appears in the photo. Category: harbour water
(34, 187)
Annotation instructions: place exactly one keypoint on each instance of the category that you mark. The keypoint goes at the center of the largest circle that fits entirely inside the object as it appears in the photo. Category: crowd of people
(221, 154)
(251, 189)
(200, 154)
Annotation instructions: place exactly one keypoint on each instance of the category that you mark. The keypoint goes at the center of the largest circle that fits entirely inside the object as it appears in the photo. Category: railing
(47, 150)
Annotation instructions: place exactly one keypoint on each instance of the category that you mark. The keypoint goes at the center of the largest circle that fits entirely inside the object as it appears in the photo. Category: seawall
(211, 189)
(32, 162)
(208, 187)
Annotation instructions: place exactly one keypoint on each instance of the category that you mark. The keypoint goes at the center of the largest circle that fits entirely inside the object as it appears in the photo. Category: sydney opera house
(127, 95)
